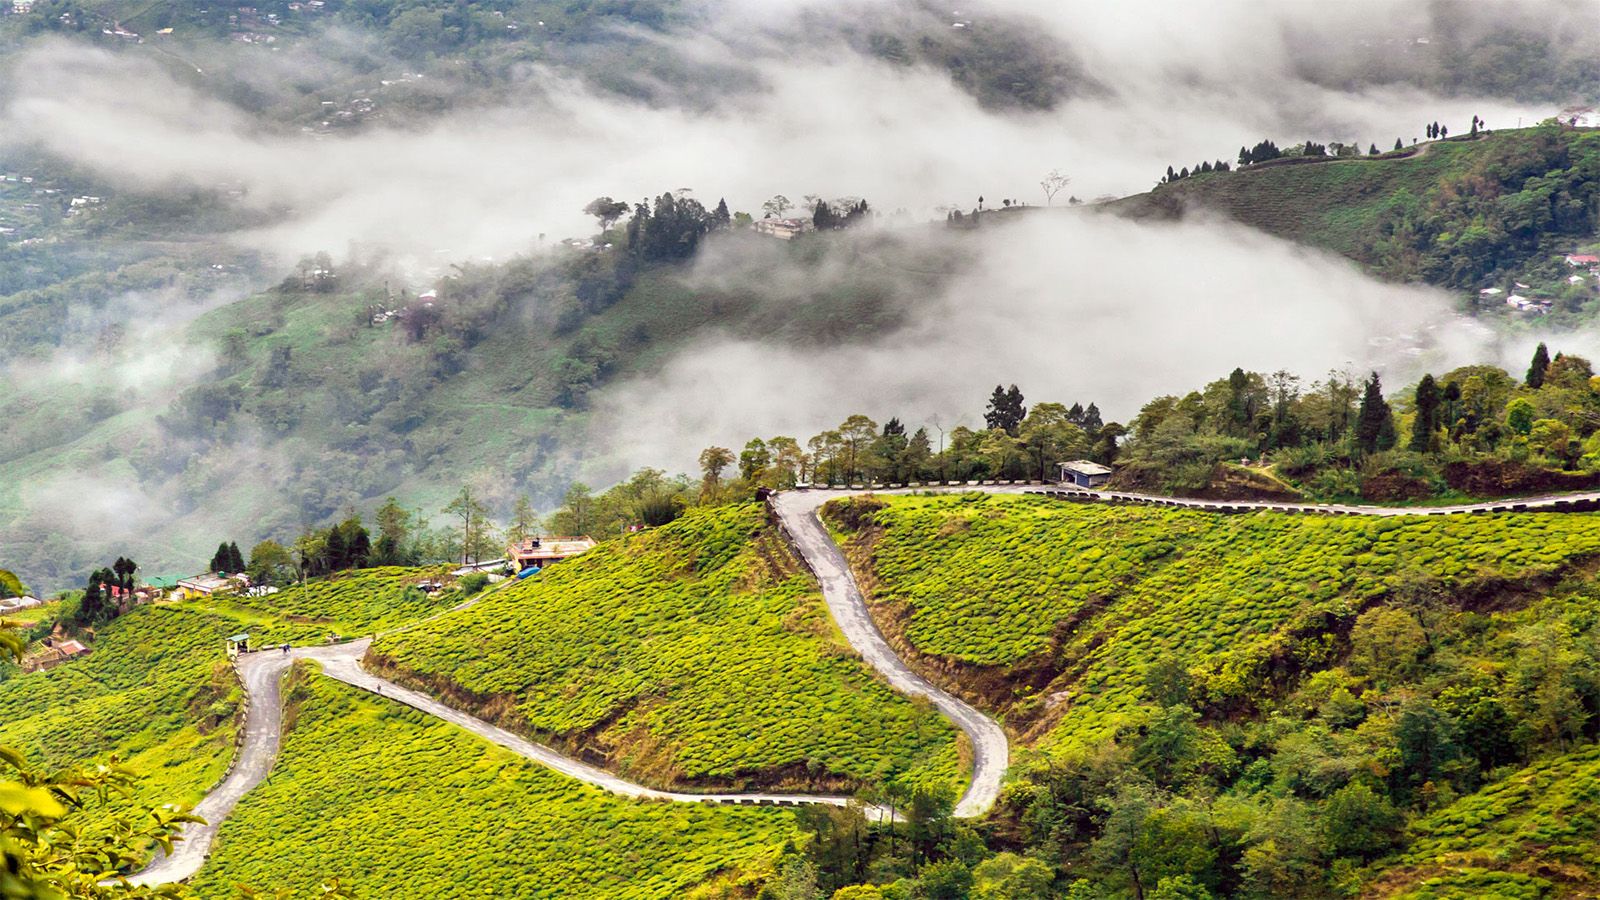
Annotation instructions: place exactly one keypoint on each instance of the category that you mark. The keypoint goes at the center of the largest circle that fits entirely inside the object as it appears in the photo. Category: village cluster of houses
(1589, 263)
(51, 652)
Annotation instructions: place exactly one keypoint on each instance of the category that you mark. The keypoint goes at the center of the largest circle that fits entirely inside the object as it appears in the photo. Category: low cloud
(478, 182)
(1073, 307)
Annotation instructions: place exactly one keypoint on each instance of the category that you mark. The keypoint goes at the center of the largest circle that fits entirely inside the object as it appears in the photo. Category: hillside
(1457, 213)
(155, 696)
(1266, 670)
(311, 407)
(467, 819)
(696, 655)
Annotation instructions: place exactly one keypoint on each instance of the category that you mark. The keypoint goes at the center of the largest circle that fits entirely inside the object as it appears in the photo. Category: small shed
(239, 643)
(1085, 474)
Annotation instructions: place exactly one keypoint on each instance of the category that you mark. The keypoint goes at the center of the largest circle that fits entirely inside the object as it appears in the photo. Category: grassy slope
(1333, 205)
(1077, 602)
(695, 654)
(442, 814)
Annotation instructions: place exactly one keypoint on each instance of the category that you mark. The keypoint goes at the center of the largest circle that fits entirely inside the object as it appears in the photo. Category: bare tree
(1052, 184)
(777, 206)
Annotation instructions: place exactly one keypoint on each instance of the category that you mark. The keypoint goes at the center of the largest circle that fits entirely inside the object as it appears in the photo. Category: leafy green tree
(856, 435)
(1537, 368)
(577, 514)
(1520, 416)
(1175, 749)
(395, 527)
(929, 821)
(838, 847)
(1146, 838)
(1358, 821)
(1428, 743)
(1050, 437)
(947, 879)
(1005, 411)
(336, 552)
(1570, 372)
(789, 463)
(777, 206)
(1008, 876)
(270, 564)
(796, 880)
(1284, 856)
(1179, 887)
(1168, 682)
(1387, 643)
(754, 460)
(524, 521)
(713, 462)
(606, 211)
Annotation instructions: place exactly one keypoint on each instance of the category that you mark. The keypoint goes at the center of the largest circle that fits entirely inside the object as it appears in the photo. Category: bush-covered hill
(1268, 705)
(394, 803)
(698, 654)
(1458, 213)
(1078, 602)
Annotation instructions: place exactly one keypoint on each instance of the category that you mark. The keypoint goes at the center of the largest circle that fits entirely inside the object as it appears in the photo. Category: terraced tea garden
(360, 601)
(156, 693)
(443, 814)
(1508, 838)
(1094, 596)
(696, 655)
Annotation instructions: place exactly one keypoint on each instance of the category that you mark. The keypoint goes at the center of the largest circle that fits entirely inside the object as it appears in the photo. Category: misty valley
(851, 450)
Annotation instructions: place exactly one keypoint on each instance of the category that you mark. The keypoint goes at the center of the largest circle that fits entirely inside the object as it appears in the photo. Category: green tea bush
(398, 804)
(698, 653)
(1542, 818)
(361, 601)
(1105, 592)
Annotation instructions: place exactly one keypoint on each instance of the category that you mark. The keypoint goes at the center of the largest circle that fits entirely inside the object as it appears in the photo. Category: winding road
(990, 750)
(261, 672)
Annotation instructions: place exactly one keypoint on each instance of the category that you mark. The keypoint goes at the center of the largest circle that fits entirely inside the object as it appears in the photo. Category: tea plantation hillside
(156, 693)
(694, 655)
(1497, 842)
(1282, 705)
(1063, 609)
(443, 814)
(355, 601)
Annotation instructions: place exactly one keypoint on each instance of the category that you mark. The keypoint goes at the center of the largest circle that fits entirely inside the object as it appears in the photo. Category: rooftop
(1085, 467)
(550, 547)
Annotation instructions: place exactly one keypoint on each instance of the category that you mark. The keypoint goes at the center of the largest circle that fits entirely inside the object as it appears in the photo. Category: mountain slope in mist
(1465, 212)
